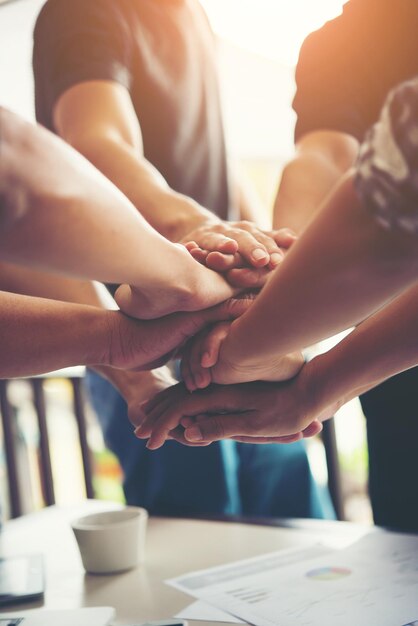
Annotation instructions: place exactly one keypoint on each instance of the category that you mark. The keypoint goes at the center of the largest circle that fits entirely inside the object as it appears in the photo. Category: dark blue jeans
(224, 478)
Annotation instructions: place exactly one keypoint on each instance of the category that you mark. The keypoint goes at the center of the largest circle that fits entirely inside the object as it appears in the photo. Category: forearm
(30, 282)
(42, 285)
(48, 188)
(321, 159)
(170, 213)
(305, 182)
(99, 120)
(344, 268)
(382, 346)
(39, 335)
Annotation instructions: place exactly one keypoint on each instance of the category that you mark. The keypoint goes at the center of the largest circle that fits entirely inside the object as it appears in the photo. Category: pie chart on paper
(328, 573)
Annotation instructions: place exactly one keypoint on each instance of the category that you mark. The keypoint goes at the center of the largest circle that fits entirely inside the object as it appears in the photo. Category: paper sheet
(373, 582)
(200, 611)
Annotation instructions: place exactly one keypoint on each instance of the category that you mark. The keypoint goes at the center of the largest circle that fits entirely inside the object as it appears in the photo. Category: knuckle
(215, 428)
(246, 225)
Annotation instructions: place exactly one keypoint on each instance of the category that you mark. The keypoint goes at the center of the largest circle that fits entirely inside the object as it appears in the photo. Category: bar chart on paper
(373, 582)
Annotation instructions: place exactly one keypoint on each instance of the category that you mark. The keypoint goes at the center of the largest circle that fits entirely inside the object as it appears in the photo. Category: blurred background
(259, 42)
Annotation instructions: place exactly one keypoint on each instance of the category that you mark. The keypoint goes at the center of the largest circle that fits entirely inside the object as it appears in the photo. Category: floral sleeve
(387, 167)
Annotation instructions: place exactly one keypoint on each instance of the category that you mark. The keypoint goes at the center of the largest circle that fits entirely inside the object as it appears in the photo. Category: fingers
(249, 413)
(284, 237)
(224, 262)
(188, 422)
(217, 427)
(161, 430)
(226, 245)
(186, 369)
(200, 354)
(211, 344)
(247, 278)
(136, 414)
(264, 440)
(254, 247)
(178, 435)
(190, 245)
(211, 240)
(199, 255)
(127, 300)
(313, 429)
(276, 255)
(271, 240)
(155, 407)
(169, 408)
(212, 428)
(194, 375)
(159, 398)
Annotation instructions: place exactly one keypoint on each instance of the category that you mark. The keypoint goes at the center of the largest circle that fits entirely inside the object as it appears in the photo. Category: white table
(174, 547)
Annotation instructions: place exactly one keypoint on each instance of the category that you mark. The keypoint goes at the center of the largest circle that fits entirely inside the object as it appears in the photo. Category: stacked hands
(238, 251)
(261, 403)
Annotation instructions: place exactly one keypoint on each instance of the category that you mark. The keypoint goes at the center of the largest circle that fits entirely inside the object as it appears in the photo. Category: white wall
(16, 24)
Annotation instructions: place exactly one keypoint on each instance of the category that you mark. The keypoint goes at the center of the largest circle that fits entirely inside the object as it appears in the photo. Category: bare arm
(135, 386)
(58, 212)
(343, 269)
(382, 346)
(321, 158)
(261, 412)
(40, 334)
(98, 119)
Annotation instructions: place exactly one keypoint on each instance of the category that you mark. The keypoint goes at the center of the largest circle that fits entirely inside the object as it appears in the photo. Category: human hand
(139, 345)
(241, 251)
(184, 285)
(203, 362)
(253, 413)
(138, 388)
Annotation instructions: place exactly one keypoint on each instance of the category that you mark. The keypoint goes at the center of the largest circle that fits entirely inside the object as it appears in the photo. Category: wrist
(104, 330)
(234, 350)
(197, 287)
(318, 389)
(188, 216)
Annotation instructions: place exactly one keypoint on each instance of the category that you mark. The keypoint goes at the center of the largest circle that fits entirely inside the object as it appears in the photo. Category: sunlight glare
(271, 28)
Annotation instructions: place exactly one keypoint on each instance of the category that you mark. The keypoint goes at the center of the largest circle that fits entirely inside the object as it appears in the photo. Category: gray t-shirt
(163, 52)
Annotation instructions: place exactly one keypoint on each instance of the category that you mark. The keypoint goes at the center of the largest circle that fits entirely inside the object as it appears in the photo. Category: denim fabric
(223, 478)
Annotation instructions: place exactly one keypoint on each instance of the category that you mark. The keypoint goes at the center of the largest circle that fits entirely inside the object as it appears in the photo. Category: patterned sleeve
(387, 168)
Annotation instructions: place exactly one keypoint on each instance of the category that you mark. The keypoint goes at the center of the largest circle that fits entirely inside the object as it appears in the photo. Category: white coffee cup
(112, 541)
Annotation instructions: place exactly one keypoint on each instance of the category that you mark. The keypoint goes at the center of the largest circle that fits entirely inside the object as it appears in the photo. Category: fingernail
(194, 434)
(259, 254)
(276, 258)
